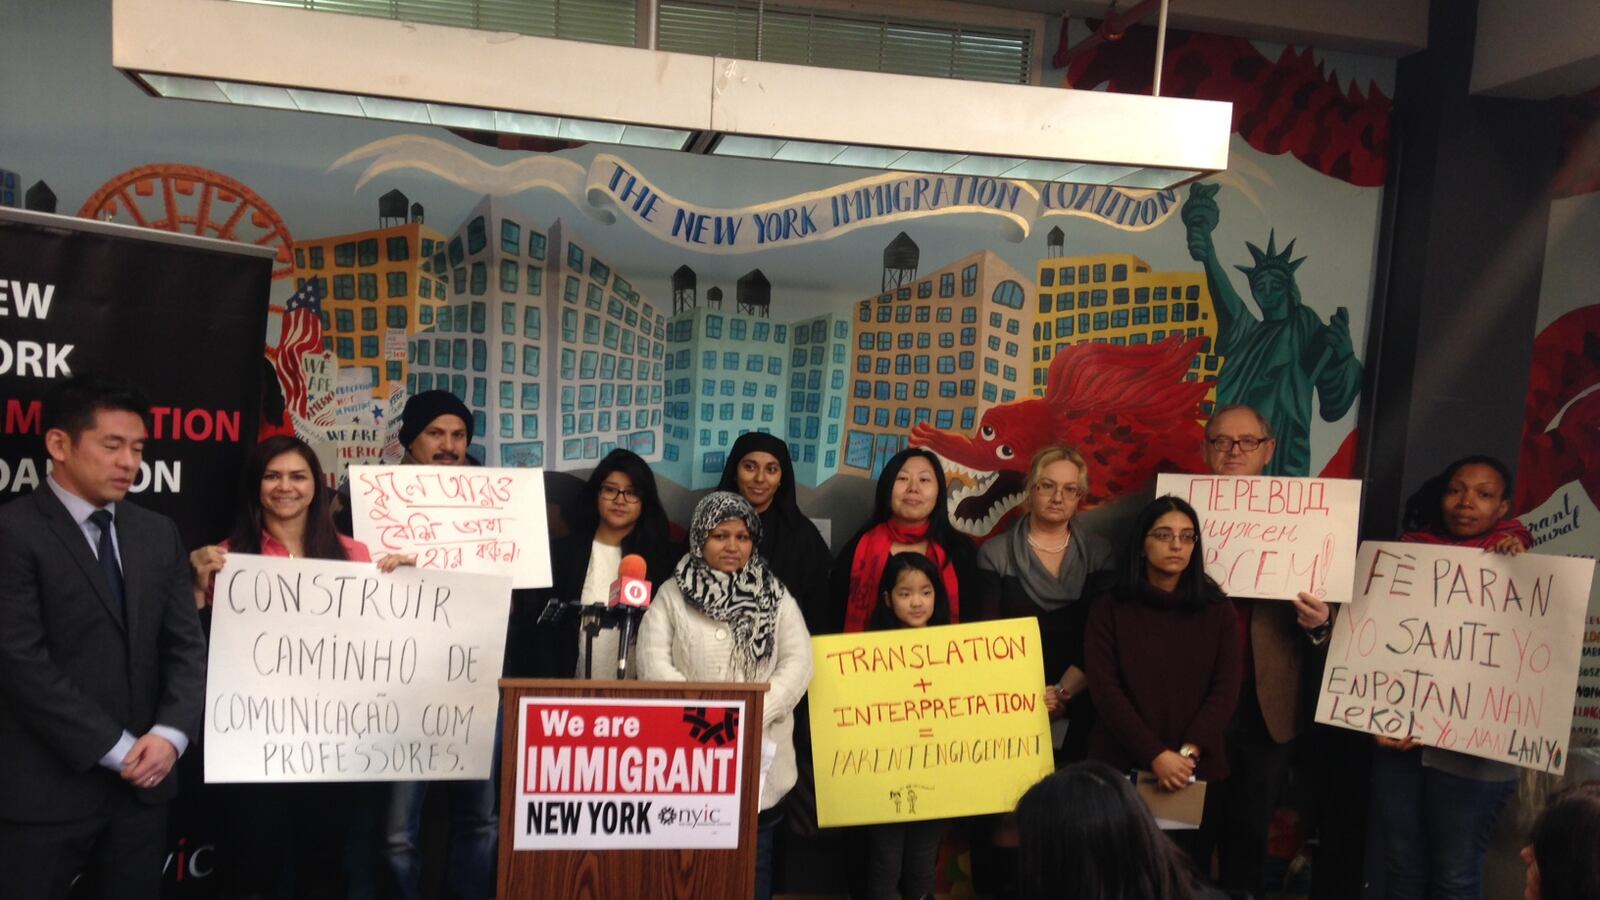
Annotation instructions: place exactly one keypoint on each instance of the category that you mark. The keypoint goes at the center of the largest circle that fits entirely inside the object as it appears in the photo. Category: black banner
(185, 318)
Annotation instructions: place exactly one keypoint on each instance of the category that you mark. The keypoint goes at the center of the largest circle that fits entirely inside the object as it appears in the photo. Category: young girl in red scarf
(908, 515)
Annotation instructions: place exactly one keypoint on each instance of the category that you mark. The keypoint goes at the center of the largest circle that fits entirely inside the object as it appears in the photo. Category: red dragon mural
(1561, 426)
(1128, 410)
(1288, 105)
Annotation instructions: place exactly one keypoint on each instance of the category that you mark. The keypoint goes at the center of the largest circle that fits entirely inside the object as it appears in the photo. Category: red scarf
(1486, 540)
(872, 554)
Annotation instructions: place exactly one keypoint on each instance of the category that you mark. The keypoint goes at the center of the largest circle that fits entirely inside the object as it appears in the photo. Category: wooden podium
(629, 874)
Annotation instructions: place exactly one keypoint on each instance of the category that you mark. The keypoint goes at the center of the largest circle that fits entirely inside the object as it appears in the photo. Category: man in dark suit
(102, 660)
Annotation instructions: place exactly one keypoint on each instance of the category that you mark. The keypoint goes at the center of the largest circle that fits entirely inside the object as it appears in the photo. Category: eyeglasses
(1068, 491)
(611, 492)
(1167, 536)
(1226, 444)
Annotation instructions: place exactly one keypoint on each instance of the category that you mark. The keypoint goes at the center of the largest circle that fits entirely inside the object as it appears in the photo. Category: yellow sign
(927, 723)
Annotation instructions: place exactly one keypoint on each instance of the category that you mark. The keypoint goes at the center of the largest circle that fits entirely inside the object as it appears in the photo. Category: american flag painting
(301, 334)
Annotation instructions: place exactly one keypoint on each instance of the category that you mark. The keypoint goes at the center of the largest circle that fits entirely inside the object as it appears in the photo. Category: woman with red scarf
(1438, 807)
(908, 515)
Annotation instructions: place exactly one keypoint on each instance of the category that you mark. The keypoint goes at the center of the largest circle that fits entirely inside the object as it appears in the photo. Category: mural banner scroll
(1272, 538)
(1460, 649)
(927, 723)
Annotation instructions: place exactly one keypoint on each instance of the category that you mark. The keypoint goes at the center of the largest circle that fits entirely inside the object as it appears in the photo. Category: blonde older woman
(724, 616)
(1044, 567)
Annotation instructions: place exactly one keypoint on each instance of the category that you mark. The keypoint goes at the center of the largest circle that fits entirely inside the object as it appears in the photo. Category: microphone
(630, 598)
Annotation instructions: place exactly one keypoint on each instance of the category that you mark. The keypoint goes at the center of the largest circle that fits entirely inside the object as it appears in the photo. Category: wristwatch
(1189, 751)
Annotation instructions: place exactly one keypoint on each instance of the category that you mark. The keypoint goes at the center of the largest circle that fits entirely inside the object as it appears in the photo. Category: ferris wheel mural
(193, 200)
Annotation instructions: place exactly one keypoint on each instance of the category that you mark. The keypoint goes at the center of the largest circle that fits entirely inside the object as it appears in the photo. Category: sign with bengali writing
(602, 774)
(467, 518)
(1270, 537)
(927, 723)
(1461, 649)
(334, 671)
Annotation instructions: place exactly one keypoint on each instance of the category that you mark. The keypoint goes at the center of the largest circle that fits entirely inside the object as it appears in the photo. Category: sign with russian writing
(927, 723)
(1270, 537)
(334, 671)
(1460, 649)
(468, 518)
(603, 774)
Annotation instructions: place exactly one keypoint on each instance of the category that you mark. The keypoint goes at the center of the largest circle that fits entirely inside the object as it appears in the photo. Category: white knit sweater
(678, 643)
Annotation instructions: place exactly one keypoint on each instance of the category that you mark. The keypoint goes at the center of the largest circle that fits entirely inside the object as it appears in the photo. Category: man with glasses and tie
(1275, 634)
(102, 660)
(435, 429)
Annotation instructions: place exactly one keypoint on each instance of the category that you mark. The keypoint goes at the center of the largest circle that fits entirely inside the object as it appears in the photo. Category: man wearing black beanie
(435, 428)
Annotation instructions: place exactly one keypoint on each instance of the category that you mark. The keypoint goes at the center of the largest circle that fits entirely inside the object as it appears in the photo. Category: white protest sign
(456, 517)
(334, 671)
(1271, 538)
(1461, 649)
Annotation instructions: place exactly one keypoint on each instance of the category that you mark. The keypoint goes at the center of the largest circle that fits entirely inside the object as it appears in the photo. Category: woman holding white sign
(1163, 656)
(284, 511)
(724, 616)
(1042, 567)
(1437, 808)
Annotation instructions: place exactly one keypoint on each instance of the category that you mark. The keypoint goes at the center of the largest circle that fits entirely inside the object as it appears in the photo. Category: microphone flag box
(606, 774)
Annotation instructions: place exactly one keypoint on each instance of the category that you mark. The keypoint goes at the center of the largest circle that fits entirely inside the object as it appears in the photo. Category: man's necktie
(108, 559)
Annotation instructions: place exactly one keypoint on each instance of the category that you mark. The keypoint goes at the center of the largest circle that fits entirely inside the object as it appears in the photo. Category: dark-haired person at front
(284, 511)
(619, 513)
(1436, 807)
(102, 660)
(1563, 855)
(1163, 657)
(908, 514)
(1087, 835)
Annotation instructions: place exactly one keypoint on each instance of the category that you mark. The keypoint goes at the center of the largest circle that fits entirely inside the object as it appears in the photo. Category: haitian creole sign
(334, 671)
(469, 518)
(927, 723)
(602, 774)
(1271, 537)
(1461, 649)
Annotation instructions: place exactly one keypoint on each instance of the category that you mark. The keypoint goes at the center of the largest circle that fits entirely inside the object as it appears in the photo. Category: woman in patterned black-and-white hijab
(724, 616)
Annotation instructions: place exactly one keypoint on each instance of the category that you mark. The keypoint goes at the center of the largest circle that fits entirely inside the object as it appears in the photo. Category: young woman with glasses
(619, 513)
(1163, 656)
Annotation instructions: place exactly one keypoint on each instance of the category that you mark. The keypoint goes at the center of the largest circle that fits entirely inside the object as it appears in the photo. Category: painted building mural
(595, 297)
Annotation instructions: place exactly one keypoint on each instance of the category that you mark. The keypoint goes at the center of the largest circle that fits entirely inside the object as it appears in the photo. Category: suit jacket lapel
(77, 546)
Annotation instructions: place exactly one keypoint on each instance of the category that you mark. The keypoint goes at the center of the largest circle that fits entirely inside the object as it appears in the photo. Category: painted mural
(598, 297)
(1558, 487)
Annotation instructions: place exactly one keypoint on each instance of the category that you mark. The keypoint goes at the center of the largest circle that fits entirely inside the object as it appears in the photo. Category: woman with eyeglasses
(619, 513)
(1045, 568)
(1163, 656)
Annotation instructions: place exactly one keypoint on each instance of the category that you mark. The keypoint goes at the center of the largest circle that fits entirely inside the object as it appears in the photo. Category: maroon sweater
(1161, 676)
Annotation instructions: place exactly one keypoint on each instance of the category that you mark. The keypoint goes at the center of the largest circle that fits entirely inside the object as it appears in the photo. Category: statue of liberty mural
(1274, 362)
